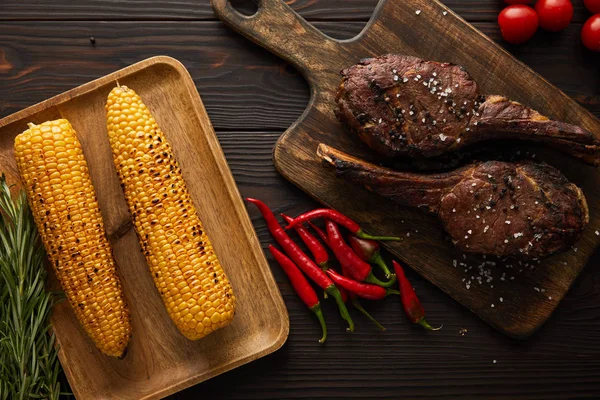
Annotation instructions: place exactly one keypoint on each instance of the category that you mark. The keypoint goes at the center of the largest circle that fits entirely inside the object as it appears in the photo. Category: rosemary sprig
(29, 366)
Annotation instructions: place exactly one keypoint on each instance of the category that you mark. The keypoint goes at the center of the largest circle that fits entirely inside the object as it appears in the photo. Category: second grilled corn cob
(62, 199)
(183, 264)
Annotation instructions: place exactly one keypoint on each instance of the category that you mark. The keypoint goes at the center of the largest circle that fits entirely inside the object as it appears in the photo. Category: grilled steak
(525, 210)
(404, 106)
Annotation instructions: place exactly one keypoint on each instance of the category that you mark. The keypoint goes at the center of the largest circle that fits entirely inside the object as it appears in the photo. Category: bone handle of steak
(413, 190)
(505, 119)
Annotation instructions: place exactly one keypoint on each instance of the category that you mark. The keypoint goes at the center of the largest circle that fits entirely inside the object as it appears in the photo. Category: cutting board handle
(276, 27)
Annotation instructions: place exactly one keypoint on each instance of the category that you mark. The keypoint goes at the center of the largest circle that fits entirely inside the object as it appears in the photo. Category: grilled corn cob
(183, 264)
(62, 198)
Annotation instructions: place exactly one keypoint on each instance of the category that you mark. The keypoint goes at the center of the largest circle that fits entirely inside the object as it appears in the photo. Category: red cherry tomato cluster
(518, 22)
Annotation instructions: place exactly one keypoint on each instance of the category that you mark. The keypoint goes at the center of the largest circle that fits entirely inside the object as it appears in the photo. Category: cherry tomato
(593, 6)
(554, 15)
(590, 34)
(517, 23)
(511, 2)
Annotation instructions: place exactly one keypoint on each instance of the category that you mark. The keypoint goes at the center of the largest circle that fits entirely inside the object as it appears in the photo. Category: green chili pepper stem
(378, 260)
(335, 293)
(324, 266)
(319, 313)
(426, 325)
(391, 291)
(373, 279)
(363, 235)
(360, 308)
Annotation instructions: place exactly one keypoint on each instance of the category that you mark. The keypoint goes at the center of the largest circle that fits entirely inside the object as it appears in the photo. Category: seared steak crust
(403, 106)
(524, 210)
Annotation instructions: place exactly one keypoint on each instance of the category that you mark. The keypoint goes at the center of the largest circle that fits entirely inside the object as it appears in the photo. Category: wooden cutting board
(519, 298)
(160, 360)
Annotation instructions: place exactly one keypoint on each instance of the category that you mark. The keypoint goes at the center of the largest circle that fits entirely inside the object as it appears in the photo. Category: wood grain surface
(251, 97)
(159, 359)
(428, 30)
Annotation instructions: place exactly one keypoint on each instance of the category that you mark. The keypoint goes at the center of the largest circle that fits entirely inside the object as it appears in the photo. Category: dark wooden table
(252, 97)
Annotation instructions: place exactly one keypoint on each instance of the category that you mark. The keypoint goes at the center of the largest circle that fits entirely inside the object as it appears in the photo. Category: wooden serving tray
(160, 360)
(427, 29)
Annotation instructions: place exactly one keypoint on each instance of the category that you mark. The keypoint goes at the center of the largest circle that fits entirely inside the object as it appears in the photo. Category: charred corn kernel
(65, 209)
(182, 261)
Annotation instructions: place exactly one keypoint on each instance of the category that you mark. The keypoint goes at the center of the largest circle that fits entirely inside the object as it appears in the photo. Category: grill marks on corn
(185, 269)
(65, 208)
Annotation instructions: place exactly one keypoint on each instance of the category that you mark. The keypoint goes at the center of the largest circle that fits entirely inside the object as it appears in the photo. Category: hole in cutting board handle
(245, 7)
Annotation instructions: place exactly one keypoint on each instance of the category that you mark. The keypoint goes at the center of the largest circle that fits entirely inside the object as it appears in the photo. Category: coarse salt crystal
(477, 216)
(493, 305)
(454, 262)
(501, 300)
(380, 120)
(518, 234)
(407, 234)
(418, 76)
(404, 80)
(597, 233)
(537, 289)
(549, 297)
(443, 137)
(507, 222)
(494, 361)
(418, 12)
(423, 120)
(505, 240)
(473, 184)
(396, 77)
(486, 228)
(454, 210)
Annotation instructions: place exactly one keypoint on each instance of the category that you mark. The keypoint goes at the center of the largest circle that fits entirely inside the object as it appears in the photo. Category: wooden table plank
(244, 87)
(146, 10)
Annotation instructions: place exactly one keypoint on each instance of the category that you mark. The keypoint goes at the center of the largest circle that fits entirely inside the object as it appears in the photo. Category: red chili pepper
(339, 218)
(357, 268)
(318, 251)
(320, 232)
(364, 290)
(369, 251)
(302, 260)
(302, 287)
(410, 302)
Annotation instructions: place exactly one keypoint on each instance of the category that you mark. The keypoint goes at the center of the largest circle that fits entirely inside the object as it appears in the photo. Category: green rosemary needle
(29, 366)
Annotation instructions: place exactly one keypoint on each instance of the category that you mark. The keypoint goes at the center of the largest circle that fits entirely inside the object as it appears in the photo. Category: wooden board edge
(282, 334)
(87, 87)
(195, 380)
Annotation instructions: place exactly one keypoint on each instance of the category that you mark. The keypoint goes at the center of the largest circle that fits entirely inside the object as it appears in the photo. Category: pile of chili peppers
(356, 279)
